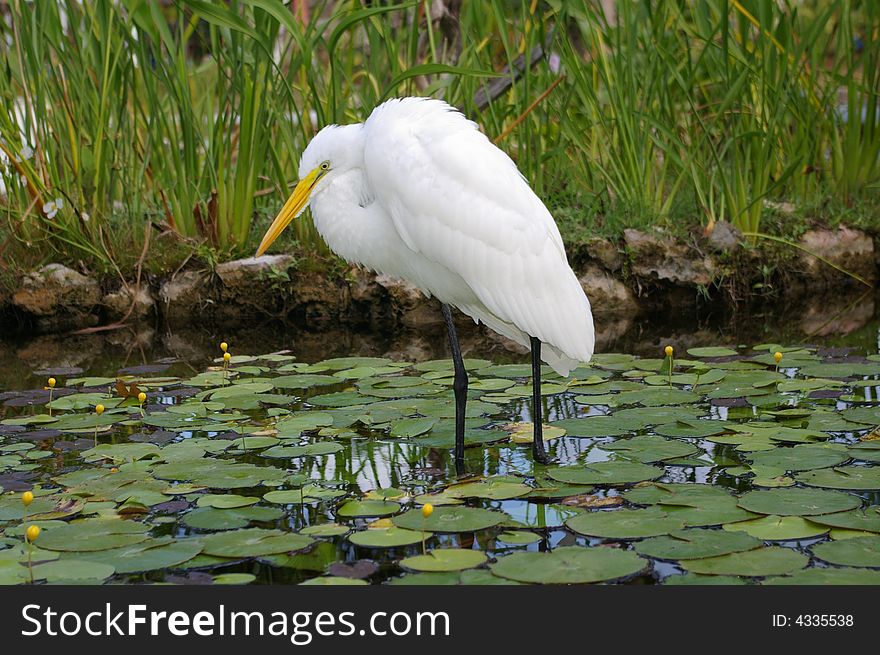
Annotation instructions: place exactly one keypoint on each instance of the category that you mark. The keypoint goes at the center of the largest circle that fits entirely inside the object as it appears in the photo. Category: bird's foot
(541, 456)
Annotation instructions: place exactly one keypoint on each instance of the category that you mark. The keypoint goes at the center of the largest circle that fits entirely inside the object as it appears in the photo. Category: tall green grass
(192, 117)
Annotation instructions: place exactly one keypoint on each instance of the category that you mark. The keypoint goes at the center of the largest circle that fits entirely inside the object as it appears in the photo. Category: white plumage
(418, 192)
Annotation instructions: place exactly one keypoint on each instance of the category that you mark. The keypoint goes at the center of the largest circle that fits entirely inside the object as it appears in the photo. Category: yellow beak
(294, 206)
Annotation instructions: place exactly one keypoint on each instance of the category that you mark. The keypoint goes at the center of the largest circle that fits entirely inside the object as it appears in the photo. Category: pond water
(309, 457)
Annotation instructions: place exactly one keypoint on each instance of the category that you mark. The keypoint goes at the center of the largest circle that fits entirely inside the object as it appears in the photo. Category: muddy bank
(644, 273)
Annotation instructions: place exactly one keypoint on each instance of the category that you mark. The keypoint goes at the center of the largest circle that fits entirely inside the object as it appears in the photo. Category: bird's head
(333, 150)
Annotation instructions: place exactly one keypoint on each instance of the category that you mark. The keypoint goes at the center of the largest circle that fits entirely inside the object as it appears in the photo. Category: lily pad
(149, 555)
(606, 473)
(94, 534)
(480, 577)
(800, 458)
(830, 576)
(778, 528)
(797, 502)
(519, 537)
(70, 570)
(449, 519)
(624, 523)
(858, 551)
(444, 559)
(490, 489)
(867, 520)
(325, 530)
(253, 542)
(861, 478)
(696, 543)
(650, 448)
(569, 565)
(760, 562)
(711, 351)
(391, 537)
(356, 508)
(209, 518)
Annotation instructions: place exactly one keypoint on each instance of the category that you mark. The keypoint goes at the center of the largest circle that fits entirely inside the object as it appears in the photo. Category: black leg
(459, 386)
(538, 451)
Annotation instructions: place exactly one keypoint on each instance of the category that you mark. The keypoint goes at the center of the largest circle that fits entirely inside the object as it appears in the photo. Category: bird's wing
(459, 201)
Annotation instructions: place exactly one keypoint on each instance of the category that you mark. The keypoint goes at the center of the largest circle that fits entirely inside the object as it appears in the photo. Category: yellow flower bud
(27, 498)
(51, 383)
(427, 510)
(33, 532)
(142, 397)
(777, 356)
(668, 350)
(226, 357)
(224, 346)
(99, 409)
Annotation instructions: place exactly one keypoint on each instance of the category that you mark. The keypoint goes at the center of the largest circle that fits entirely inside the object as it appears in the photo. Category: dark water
(849, 320)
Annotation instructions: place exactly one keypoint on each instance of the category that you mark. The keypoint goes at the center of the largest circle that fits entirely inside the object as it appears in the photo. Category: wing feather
(459, 201)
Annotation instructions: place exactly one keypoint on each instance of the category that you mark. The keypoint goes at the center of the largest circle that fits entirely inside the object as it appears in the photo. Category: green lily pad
(656, 396)
(308, 450)
(797, 502)
(412, 427)
(449, 519)
(392, 537)
(867, 520)
(210, 518)
(711, 351)
(689, 429)
(760, 562)
(650, 448)
(356, 508)
(489, 489)
(606, 473)
(519, 537)
(624, 523)
(234, 578)
(569, 565)
(858, 551)
(94, 534)
(444, 559)
(695, 505)
(799, 458)
(149, 555)
(480, 577)
(696, 543)
(597, 426)
(308, 494)
(68, 570)
(829, 576)
(778, 528)
(253, 542)
(226, 501)
(862, 478)
(325, 530)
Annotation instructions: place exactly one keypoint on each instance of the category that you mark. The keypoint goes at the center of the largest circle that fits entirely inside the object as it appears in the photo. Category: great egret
(418, 192)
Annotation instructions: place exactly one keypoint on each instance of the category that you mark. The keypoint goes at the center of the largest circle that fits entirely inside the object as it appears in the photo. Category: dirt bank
(643, 272)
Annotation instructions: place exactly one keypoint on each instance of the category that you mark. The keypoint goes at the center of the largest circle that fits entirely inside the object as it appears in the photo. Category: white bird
(417, 192)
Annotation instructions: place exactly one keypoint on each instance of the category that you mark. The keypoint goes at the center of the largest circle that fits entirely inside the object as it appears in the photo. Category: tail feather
(554, 358)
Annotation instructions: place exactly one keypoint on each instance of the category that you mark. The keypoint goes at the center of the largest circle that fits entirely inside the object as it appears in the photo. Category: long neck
(355, 226)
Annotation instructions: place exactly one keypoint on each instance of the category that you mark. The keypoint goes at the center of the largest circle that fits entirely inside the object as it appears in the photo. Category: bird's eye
(325, 166)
